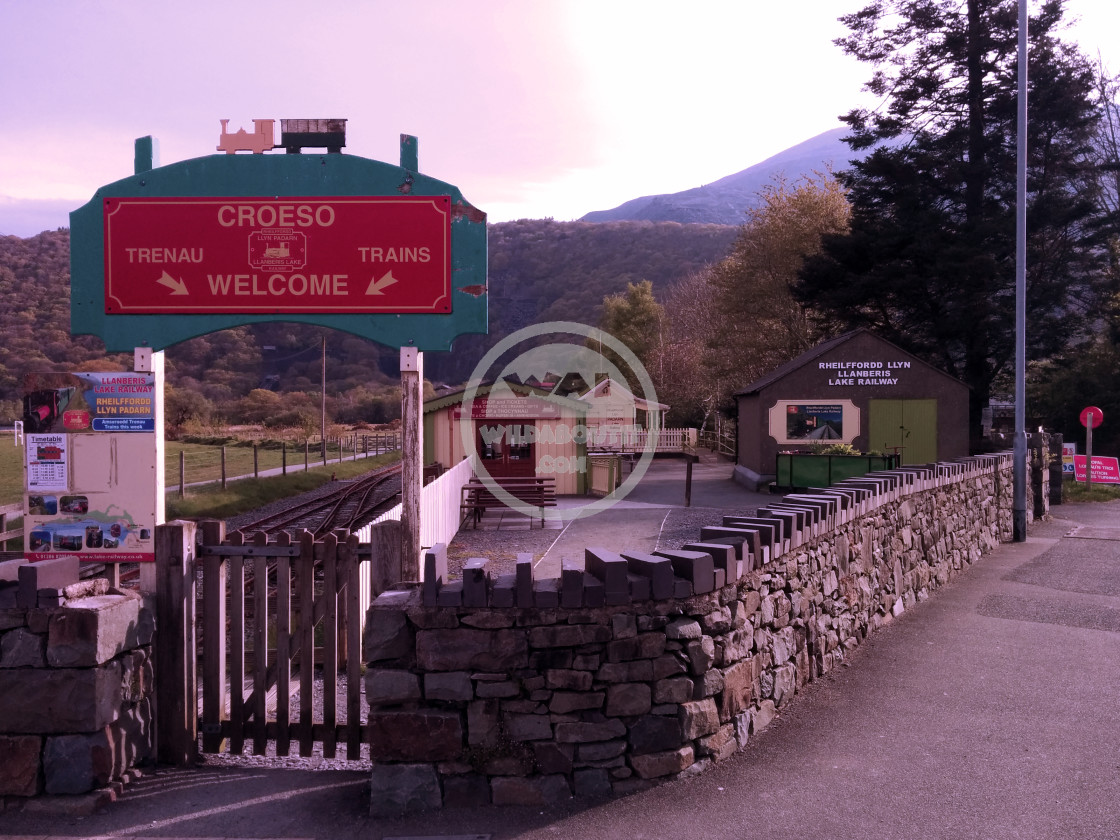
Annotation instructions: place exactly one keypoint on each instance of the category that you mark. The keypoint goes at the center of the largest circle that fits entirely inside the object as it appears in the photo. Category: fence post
(385, 564)
(176, 674)
(214, 590)
(223, 467)
(412, 459)
(1055, 466)
(283, 457)
(256, 462)
(182, 474)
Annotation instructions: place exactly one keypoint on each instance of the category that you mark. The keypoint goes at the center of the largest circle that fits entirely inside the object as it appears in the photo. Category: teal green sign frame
(295, 175)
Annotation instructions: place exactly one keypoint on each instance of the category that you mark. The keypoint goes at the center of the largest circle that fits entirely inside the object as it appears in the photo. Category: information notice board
(91, 467)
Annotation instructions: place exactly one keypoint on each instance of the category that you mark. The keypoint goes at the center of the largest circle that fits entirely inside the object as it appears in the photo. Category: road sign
(299, 255)
(1106, 470)
(1091, 417)
(1068, 451)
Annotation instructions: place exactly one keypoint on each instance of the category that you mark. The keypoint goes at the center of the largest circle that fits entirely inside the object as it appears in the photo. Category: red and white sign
(1106, 470)
(508, 408)
(368, 254)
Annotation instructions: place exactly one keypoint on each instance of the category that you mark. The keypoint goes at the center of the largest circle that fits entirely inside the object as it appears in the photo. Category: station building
(614, 413)
(857, 389)
(517, 431)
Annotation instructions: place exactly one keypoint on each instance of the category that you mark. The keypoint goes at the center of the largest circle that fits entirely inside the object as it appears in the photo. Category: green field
(11, 471)
(203, 461)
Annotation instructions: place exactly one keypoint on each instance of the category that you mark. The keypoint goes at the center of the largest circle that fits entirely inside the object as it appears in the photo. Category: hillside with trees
(543, 270)
(728, 323)
(539, 270)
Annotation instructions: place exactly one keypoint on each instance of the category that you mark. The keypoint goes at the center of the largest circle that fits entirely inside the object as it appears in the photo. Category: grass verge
(251, 493)
(11, 471)
(1078, 491)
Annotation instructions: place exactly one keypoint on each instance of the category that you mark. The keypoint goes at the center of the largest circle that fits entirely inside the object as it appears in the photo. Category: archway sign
(376, 250)
(372, 249)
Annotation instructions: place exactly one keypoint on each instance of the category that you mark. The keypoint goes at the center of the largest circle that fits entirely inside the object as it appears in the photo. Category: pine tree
(929, 261)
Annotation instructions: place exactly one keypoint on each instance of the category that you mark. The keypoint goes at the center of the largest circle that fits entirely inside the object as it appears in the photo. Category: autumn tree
(686, 364)
(761, 324)
(929, 260)
(182, 409)
(736, 320)
(636, 319)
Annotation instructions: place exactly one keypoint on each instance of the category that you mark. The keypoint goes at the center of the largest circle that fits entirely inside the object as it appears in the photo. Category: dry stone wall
(643, 667)
(76, 683)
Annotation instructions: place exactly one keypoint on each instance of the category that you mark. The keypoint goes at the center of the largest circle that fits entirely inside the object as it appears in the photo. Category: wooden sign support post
(412, 459)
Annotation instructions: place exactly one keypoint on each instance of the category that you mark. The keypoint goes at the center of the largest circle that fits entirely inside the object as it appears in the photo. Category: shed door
(908, 427)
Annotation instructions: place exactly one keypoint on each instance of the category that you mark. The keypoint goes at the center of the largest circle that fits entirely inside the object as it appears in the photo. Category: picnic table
(478, 496)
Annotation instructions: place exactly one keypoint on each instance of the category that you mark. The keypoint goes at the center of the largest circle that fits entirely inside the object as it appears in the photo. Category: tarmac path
(988, 711)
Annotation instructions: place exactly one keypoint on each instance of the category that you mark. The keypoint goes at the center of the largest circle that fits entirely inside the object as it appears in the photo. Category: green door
(908, 427)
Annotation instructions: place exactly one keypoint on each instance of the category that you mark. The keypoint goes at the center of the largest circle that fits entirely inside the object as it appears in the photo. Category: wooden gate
(270, 615)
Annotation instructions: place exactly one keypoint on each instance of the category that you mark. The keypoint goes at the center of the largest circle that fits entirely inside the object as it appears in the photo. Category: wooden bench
(478, 497)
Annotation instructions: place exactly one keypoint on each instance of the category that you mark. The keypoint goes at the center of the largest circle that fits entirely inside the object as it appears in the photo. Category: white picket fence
(439, 507)
(439, 517)
(629, 439)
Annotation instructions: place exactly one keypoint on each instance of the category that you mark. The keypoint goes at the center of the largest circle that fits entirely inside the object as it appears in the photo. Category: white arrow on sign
(378, 287)
(177, 287)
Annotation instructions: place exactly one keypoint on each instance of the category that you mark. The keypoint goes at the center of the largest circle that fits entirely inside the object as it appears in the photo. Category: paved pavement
(988, 711)
(637, 521)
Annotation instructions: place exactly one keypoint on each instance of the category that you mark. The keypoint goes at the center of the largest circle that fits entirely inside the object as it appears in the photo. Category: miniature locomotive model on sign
(295, 135)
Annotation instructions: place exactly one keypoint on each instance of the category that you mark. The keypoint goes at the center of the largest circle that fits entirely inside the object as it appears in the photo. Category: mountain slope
(724, 202)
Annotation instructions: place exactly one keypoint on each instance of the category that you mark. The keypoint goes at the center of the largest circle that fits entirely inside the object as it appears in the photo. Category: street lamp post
(1019, 524)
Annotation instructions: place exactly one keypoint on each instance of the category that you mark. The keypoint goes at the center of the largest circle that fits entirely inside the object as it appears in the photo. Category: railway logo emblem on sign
(277, 249)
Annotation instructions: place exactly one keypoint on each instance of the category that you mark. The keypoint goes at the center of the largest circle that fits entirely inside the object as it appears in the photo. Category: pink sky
(533, 108)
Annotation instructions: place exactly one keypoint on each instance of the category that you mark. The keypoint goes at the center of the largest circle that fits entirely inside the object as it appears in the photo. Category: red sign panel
(375, 254)
(1106, 470)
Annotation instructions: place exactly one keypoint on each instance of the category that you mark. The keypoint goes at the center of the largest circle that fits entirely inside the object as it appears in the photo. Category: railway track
(349, 506)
